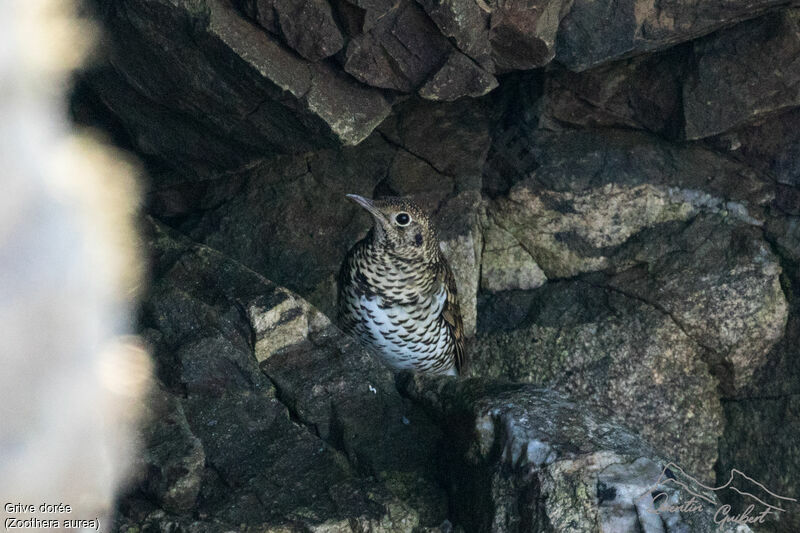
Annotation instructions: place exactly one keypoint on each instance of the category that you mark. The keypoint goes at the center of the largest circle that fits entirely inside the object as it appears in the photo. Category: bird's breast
(407, 336)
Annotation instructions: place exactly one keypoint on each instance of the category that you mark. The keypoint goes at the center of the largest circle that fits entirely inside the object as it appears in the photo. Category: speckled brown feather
(452, 315)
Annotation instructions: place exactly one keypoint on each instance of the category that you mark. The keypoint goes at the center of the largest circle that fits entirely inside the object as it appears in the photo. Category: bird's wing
(344, 318)
(451, 313)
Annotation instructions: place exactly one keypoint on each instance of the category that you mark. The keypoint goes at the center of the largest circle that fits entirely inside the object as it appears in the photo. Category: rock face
(762, 420)
(309, 28)
(635, 26)
(242, 433)
(661, 275)
(616, 186)
(467, 24)
(720, 284)
(771, 145)
(267, 417)
(625, 358)
(589, 195)
(246, 78)
(523, 34)
(717, 96)
(643, 92)
(756, 425)
(506, 264)
(400, 52)
(258, 94)
(527, 459)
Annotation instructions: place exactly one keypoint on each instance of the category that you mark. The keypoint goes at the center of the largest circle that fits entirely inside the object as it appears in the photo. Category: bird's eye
(402, 219)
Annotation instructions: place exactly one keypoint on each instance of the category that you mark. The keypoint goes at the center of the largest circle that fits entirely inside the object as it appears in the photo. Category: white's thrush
(397, 294)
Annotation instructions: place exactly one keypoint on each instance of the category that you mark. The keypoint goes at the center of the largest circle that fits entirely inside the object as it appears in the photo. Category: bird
(397, 294)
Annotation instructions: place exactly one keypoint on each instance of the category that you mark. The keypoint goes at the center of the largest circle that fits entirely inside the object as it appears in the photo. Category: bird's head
(401, 228)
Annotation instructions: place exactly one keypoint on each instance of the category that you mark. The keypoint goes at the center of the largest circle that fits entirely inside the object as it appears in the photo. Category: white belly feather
(403, 340)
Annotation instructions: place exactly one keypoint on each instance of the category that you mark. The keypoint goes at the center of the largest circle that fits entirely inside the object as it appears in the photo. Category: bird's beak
(367, 204)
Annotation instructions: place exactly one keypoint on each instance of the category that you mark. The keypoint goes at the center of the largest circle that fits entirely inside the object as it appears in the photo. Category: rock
(713, 298)
(771, 145)
(369, 12)
(622, 357)
(590, 195)
(299, 223)
(352, 404)
(523, 33)
(502, 36)
(313, 436)
(263, 12)
(458, 77)
(308, 27)
(721, 284)
(401, 49)
(595, 32)
(779, 378)
(174, 458)
(412, 176)
(708, 297)
(762, 419)
(461, 241)
(208, 71)
(720, 91)
(467, 24)
(281, 322)
(452, 137)
(528, 459)
(505, 264)
(644, 93)
(760, 440)
(399, 52)
(160, 135)
(783, 232)
(503, 311)
(515, 128)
